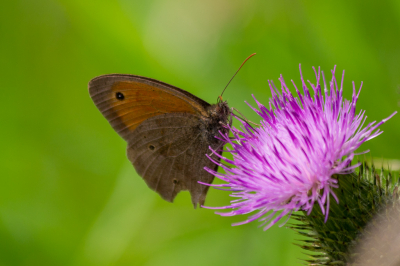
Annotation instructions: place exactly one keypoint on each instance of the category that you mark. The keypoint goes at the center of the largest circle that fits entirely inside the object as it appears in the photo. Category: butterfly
(168, 131)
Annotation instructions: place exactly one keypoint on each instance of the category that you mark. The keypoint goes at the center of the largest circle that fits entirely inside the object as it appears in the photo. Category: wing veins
(125, 127)
(155, 115)
(159, 178)
(130, 145)
(121, 104)
(146, 150)
(144, 115)
(160, 154)
(188, 146)
(148, 165)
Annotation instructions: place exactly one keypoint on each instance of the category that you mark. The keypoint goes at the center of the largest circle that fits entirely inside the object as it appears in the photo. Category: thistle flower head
(289, 162)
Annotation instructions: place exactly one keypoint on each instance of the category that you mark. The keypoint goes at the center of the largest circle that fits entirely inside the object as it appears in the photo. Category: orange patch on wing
(142, 101)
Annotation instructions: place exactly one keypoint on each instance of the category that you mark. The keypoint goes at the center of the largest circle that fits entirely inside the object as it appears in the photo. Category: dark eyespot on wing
(119, 96)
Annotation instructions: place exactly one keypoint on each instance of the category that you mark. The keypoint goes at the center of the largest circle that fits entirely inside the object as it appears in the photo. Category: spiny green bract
(361, 195)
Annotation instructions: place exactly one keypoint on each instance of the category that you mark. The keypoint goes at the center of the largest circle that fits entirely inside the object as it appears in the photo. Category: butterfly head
(222, 110)
(220, 114)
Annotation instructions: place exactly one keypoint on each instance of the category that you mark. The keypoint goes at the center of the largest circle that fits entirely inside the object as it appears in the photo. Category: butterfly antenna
(236, 73)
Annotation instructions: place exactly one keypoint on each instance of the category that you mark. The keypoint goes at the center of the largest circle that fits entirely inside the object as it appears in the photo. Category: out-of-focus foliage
(69, 196)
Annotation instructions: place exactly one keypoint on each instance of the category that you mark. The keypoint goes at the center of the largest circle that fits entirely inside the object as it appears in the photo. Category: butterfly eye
(151, 147)
(119, 96)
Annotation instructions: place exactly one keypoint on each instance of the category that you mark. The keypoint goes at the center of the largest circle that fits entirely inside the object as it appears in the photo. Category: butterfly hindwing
(168, 151)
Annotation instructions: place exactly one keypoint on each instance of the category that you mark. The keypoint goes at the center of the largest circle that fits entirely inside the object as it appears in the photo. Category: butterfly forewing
(126, 100)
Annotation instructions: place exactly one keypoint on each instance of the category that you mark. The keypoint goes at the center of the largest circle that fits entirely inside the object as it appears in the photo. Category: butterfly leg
(244, 118)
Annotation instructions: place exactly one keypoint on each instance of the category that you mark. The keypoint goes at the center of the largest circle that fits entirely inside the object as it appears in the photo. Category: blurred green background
(69, 196)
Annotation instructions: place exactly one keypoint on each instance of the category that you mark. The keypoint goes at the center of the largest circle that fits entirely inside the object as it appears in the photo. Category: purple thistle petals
(289, 162)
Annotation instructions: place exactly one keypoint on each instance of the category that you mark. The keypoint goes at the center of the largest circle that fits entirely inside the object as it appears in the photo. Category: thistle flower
(289, 162)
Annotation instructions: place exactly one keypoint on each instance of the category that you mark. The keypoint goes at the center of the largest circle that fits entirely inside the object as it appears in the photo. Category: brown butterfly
(168, 131)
